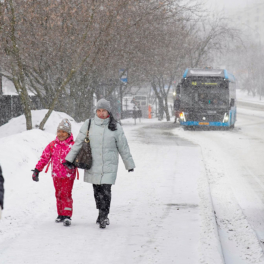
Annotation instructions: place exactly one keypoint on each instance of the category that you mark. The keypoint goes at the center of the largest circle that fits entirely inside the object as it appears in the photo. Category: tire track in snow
(235, 231)
(209, 247)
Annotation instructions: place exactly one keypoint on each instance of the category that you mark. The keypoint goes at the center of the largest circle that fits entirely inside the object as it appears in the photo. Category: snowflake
(66, 124)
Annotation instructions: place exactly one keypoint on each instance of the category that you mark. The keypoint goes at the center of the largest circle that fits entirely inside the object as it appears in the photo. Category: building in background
(137, 99)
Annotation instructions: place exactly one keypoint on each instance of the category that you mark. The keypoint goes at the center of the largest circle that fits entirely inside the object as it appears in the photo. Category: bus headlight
(182, 116)
(226, 118)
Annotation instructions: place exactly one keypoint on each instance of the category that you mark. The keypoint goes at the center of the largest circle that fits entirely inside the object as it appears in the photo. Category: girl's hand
(35, 175)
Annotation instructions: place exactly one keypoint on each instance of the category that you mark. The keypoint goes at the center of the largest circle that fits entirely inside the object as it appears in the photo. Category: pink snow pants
(63, 193)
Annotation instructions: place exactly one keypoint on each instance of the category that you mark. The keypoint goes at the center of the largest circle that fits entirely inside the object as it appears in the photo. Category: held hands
(68, 164)
(131, 170)
(35, 175)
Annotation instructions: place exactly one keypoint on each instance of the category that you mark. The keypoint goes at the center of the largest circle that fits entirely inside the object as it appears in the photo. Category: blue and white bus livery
(208, 98)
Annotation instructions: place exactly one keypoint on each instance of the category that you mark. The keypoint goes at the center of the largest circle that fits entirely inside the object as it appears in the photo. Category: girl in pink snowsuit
(63, 177)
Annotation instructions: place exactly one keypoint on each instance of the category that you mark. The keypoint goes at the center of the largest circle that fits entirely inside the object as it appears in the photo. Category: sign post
(123, 81)
(123, 75)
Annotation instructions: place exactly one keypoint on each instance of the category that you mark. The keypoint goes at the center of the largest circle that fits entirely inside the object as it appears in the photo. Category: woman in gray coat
(107, 140)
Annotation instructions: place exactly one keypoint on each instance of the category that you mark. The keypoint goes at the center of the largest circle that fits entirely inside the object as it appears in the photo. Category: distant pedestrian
(176, 106)
(107, 140)
(1, 191)
(63, 178)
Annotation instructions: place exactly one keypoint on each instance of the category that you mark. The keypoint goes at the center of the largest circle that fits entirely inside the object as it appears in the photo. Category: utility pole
(123, 81)
(126, 103)
(121, 99)
(135, 115)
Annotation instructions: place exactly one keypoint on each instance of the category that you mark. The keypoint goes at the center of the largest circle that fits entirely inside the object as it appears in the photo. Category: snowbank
(18, 124)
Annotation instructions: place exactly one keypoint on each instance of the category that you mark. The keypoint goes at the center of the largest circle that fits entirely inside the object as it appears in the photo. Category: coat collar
(99, 121)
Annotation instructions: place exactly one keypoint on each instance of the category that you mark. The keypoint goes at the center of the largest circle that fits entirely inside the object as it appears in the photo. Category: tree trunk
(18, 72)
(25, 102)
(166, 109)
(27, 112)
(161, 108)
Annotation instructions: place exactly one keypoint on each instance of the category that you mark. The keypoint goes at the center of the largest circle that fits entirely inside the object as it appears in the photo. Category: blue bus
(208, 98)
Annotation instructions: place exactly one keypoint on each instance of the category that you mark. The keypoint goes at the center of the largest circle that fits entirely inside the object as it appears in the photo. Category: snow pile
(18, 124)
(22, 150)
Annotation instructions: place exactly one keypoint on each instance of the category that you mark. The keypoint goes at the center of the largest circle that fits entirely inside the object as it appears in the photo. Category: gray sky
(219, 4)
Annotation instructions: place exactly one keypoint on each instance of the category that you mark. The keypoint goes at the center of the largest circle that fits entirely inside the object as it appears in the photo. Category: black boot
(67, 221)
(59, 219)
(103, 216)
(103, 219)
(102, 224)
(106, 220)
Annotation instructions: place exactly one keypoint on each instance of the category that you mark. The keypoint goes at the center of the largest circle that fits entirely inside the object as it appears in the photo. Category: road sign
(123, 75)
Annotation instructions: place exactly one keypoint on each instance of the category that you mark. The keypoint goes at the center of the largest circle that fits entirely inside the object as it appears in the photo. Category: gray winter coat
(105, 145)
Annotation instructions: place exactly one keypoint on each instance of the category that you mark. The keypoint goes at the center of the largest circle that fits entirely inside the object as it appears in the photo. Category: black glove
(2, 204)
(35, 175)
(130, 170)
(68, 164)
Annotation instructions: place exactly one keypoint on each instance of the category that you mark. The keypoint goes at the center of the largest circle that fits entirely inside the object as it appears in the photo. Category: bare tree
(186, 46)
(11, 46)
(66, 51)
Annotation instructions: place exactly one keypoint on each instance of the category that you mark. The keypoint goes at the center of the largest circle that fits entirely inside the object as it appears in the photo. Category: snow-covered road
(161, 213)
(235, 170)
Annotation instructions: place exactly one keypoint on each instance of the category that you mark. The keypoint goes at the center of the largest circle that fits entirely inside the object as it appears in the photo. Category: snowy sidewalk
(248, 101)
(161, 213)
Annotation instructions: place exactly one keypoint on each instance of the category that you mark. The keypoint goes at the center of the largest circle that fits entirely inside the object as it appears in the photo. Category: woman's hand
(68, 164)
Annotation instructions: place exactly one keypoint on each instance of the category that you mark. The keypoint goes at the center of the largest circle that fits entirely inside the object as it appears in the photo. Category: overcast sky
(219, 4)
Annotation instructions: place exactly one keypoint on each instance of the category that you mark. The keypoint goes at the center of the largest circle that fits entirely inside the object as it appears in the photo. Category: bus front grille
(201, 117)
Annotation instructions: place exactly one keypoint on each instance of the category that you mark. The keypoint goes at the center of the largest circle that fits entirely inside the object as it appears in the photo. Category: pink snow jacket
(57, 151)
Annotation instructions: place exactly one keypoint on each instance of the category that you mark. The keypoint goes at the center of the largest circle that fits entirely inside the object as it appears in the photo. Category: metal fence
(10, 106)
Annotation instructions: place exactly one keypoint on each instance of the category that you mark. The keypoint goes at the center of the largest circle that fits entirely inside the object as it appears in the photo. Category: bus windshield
(204, 94)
